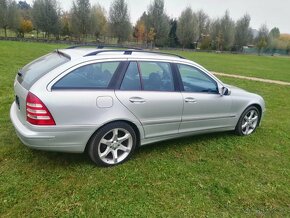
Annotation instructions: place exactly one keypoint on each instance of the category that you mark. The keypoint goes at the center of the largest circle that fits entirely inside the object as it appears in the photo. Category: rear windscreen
(29, 74)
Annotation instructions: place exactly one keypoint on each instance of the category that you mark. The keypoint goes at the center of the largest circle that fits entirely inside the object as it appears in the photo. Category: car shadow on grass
(196, 142)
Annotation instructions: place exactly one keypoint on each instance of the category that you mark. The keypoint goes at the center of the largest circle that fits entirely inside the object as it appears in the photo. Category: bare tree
(203, 22)
(262, 38)
(187, 28)
(227, 31)
(243, 33)
(223, 32)
(119, 19)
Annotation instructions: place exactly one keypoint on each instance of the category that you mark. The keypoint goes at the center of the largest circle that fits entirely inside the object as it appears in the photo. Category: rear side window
(156, 76)
(131, 79)
(92, 76)
(38, 68)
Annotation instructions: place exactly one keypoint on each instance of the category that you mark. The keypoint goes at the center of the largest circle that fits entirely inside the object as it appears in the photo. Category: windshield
(33, 71)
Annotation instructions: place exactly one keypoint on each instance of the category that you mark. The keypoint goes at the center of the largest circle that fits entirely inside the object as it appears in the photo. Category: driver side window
(194, 80)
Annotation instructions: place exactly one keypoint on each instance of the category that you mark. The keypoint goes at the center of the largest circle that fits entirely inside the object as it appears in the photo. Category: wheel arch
(259, 107)
(132, 124)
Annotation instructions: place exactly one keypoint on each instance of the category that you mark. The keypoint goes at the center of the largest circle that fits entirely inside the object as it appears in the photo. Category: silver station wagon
(110, 101)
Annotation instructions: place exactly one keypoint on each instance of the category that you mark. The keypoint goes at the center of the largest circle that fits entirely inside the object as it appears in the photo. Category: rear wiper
(58, 52)
(19, 73)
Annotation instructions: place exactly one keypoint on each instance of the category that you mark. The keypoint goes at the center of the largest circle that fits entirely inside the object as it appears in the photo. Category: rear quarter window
(41, 66)
(91, 76)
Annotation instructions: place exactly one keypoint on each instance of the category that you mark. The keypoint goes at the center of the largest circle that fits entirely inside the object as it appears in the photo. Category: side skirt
(147, 141)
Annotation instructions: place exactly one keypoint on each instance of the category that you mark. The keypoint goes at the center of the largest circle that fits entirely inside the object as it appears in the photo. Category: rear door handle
(190, 100)
(137, 100)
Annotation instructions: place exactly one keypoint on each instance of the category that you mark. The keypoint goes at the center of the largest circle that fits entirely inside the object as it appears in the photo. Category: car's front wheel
(248, 121)
(113, 144)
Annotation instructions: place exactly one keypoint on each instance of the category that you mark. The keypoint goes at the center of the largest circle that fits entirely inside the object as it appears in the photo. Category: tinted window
(156, 76)
(195, 80)
(92, 76)
(38, 68)
(131, 79)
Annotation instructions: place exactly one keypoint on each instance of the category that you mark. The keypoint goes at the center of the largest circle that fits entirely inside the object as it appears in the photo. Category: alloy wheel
(115, 146)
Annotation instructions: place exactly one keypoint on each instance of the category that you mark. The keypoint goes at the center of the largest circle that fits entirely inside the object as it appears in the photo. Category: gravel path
(253, 78)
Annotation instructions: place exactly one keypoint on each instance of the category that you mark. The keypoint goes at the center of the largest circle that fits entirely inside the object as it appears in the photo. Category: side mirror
(225, 91)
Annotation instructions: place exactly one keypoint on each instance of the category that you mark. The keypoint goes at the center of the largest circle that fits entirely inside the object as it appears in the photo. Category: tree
(205, 42)
(25, 27)
(119, 20)
(151, 36)
(3, 15)
(215, 34)
(187, 29)
(203, 28)
(227, 31)
(23, 5)
(80, 17)
(173, 39)
(13, 17)
(140, 31)
(25, 10)
(37, 15)
(274, 39)
(262, 38)
(64, 23)
(98, 21)
(274, 33)
(288, 48)
(158, 20)
(46, 17)
(143, 20)
(243, 34)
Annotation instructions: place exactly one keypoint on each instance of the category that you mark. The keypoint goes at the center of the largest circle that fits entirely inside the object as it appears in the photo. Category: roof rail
(102, 46)
(129, 52)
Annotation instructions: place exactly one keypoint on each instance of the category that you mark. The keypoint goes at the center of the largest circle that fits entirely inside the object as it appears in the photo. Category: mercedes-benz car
(108, 102)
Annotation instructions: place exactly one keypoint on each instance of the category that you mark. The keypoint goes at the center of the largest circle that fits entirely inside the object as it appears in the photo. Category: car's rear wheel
(248, 121)
(112, 144)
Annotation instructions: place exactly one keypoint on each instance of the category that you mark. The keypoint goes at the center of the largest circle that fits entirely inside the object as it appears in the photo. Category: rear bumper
(71, 139)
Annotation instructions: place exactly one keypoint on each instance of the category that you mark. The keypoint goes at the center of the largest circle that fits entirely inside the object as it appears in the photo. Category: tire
(113, 144)
(248, 121)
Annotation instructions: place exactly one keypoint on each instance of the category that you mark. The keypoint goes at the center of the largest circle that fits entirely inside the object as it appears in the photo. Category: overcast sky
(274, 13)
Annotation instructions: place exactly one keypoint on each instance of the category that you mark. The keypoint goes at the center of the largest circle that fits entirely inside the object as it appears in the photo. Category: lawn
(266, 67)
(210, 175)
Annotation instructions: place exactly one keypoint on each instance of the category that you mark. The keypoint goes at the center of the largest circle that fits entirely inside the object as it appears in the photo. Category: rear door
(148, 91)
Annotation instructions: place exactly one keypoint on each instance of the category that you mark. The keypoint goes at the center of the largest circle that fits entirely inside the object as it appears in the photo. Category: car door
(148, 91)
(204, 108)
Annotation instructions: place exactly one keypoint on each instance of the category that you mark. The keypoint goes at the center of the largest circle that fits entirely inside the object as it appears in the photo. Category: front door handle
(190, 100)
(137, 100)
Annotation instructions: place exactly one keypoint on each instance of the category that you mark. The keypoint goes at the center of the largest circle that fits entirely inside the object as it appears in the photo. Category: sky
(273, 13)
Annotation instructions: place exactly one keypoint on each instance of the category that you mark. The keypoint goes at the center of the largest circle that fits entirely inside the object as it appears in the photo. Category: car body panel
(206, 111)
(159, 114)
(78, 114)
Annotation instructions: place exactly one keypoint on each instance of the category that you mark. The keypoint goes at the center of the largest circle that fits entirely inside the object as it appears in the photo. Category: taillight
(36, 112)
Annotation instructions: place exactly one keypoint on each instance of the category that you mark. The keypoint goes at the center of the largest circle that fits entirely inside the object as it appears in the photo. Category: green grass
(267, 67)
(210, 175)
